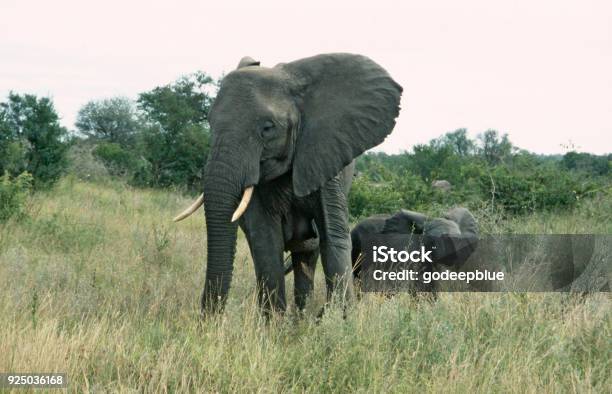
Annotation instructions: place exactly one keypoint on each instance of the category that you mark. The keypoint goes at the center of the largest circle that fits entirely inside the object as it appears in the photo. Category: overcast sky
(540, 71)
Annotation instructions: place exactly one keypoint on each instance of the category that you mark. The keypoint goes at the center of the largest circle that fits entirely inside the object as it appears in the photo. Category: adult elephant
(452, 238)
(280, 166)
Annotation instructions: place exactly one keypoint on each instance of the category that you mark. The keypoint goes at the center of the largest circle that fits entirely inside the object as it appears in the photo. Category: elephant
(442, 185)
(452, 238)
(550, 262)
(543, 262)
(283, 142)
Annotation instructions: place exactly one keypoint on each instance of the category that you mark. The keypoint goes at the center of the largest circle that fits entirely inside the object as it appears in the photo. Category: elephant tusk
(244, 203)
(192, 208)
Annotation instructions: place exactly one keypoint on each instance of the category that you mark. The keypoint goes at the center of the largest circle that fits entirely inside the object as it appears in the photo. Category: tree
(427, 159)
(458, 142)
(12, 152)
(180, 104)
(493, 149)
(32, 138)
(110, 120)
(587, 163)
(176, 134)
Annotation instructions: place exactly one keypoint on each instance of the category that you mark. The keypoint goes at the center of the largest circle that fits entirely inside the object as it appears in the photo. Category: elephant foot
(304, 265)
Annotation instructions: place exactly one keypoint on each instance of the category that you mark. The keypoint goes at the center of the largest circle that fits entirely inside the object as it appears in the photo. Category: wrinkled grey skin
(455, 236)
(291, 131)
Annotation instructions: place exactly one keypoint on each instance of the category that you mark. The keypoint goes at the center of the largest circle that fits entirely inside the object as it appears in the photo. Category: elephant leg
(304, 264)
(355, 253)
(265, 238)
(561, 261)
(335, 243)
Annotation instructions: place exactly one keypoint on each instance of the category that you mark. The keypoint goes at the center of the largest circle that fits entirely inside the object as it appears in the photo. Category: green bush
(13, 156)
(161, 143)
(117, 160)
(13, 194)
(367, 198)
(588, 163)
(543, 187)
(83, 164)
(32, 139)
(489, 170)
(172, 159)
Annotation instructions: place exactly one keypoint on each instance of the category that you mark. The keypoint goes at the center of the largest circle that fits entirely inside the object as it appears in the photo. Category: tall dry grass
(98, 283)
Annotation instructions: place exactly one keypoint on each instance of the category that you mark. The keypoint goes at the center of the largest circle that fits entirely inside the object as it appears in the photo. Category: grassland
(98, 283)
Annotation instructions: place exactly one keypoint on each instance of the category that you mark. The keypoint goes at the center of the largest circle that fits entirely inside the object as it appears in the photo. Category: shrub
(368, 197)
(524, 190)
(83, 164)
(13, 193)
(13, 156)
(32, 139)
(587, 163)
(490, 170)
(117, 160)
(172, 159)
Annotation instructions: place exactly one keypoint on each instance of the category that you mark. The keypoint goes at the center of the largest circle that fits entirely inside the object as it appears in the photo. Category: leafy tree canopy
(31, 138)
(176, 136)
(112, 120)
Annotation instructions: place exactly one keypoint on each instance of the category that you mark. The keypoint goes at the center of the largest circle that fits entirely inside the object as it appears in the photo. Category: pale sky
(540, 71)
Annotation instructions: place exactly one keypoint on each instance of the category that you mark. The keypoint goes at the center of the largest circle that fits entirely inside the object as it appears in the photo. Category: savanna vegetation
(161, 140)
(96, 281)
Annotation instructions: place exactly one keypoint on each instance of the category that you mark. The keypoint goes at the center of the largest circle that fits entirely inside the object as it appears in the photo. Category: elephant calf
(455, 236)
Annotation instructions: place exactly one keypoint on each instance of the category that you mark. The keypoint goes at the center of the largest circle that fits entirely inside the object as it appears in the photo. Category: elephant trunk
(465, 245)
(224, 183)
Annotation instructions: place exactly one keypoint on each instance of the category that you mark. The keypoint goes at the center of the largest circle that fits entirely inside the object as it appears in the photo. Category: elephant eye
(268, 127)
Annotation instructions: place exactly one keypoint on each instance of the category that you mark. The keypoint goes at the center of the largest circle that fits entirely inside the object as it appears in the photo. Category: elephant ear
(455, 237)
(405, 222)
(348, 104)
(248, 61)
(465, 220)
